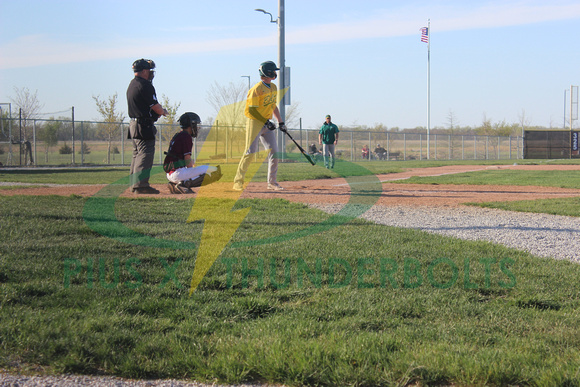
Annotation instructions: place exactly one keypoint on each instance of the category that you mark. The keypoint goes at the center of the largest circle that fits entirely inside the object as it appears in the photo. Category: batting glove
(282, 127)
(270, 125)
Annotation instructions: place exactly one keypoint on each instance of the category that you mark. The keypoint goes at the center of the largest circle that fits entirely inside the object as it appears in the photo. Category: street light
(267, 13)
(281, 64)
(247, 76)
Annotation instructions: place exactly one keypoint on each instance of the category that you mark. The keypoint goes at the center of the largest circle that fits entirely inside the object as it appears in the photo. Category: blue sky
(361, 61)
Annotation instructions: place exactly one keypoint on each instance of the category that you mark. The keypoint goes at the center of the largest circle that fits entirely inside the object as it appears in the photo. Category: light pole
(281, 65)
(247, 76)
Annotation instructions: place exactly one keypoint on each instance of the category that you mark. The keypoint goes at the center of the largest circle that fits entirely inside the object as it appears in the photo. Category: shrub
(85, 149)
(65, 150)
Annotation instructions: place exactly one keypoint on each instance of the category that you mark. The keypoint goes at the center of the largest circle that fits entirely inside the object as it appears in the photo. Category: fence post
(34, 139)
(370, 146)
(82, 143)
(487, 147)
(217, 127)
(300, 125)
(351, 147)
(73, 134)
(122, 143)
(449, 144)
(462, 147)
(227, 142)
(420, 146)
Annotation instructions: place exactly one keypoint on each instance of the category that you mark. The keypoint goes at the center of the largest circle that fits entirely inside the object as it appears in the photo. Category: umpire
(144, 110)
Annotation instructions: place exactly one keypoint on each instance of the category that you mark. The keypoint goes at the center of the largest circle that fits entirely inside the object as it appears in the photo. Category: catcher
(179, 166)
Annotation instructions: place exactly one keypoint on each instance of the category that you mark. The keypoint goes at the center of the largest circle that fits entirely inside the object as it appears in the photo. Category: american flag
(425, 35)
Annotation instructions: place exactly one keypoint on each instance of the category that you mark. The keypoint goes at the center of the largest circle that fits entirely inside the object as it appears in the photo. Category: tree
(111, 119)
(451, 126)
(49, 135)
(293, 115)
(29, 106)
(229, 103)
(170, 119)
(451, 121)
(525, 121)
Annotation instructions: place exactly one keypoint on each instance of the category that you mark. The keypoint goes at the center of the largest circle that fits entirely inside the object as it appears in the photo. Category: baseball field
(97, 281)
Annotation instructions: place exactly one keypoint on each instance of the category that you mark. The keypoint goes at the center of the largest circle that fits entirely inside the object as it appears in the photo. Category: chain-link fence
(62, 142)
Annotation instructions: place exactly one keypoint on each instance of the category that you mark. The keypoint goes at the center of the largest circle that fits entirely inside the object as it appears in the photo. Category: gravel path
(7, 380)
(540, 234)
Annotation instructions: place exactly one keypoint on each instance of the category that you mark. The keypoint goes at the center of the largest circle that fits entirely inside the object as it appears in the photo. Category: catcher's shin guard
(204, 179)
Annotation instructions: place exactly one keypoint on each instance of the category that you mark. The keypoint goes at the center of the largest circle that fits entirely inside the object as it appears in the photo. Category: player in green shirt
(328, 137)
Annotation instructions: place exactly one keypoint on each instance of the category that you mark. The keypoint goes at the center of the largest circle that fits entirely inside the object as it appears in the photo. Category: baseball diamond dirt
(337, 190)
(432, 208)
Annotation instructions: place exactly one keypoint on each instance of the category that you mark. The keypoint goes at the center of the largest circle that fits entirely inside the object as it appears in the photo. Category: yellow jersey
(262, 97)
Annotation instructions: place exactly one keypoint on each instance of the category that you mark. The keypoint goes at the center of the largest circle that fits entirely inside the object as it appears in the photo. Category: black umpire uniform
(141, 97)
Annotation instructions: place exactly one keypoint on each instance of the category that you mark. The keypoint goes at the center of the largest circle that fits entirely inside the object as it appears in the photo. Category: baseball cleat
(275, 187)
(145, 191)
(179, 189)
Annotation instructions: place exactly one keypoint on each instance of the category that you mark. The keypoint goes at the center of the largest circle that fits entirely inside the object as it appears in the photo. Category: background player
(328, 137)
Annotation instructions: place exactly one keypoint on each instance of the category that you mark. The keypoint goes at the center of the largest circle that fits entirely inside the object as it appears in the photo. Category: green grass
(507, 318)
(560, 206)
(562, 179)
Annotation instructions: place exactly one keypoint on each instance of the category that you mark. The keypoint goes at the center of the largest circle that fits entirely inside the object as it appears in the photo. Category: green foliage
(65, 150)
(49, 133)
(85, 149)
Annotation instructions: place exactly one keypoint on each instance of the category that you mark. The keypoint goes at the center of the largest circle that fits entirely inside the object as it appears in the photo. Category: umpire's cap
(143, 64)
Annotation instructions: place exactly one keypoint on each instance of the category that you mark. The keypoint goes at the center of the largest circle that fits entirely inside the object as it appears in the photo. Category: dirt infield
(338, 191)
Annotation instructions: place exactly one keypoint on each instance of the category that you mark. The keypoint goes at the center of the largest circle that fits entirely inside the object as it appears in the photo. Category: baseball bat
(308, 157)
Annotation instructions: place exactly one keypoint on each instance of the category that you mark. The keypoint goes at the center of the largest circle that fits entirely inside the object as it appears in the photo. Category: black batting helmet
(190, 119)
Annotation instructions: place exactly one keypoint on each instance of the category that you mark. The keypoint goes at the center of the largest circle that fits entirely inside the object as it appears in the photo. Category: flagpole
(428, 88)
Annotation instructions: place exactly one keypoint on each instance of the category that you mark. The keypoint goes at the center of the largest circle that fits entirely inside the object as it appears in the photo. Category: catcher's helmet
(190, 119)
(143, 64)
(268, 69)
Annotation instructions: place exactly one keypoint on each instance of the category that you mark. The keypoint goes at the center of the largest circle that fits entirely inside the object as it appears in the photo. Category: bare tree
(229, 103)
(452, 122)
(29, 104)
(293, 115)
(112, 119)
(525, 121)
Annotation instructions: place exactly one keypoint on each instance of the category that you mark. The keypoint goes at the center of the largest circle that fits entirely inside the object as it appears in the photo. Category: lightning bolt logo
(213, 204)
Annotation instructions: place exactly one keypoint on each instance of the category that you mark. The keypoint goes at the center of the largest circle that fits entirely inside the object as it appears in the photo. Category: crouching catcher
(179, 165)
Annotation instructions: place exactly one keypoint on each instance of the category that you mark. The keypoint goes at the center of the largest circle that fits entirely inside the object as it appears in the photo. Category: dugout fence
(83, 143)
